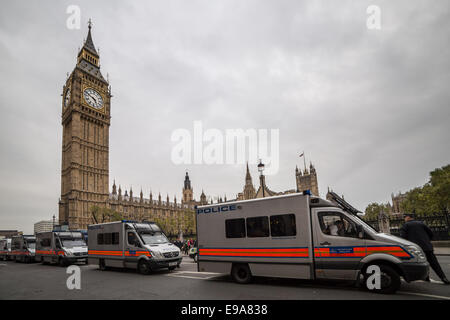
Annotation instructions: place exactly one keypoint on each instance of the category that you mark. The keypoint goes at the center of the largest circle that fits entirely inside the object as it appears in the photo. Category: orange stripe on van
(256, 252)
(119, 253)
(331, 252)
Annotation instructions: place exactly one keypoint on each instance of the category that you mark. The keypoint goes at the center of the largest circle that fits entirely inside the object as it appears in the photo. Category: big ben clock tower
(85, 140)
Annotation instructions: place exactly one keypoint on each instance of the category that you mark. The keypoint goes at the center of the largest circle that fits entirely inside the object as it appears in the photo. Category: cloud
(370, 108)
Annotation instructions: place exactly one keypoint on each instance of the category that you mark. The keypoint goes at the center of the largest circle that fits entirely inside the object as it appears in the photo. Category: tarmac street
(38, 281)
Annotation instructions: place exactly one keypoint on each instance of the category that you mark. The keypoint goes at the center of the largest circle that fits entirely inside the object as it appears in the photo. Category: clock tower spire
(86, 119)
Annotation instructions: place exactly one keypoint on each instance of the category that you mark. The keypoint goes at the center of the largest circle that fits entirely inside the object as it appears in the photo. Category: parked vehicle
(23, 248)
(304, 237)
(61, 247)
(130, 244)
(5, 249)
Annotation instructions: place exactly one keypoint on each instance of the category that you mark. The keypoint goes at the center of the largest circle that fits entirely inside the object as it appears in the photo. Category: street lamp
(261, 176)
(260, 167)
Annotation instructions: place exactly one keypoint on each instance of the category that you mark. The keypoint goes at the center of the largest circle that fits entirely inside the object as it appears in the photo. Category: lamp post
(261, 176)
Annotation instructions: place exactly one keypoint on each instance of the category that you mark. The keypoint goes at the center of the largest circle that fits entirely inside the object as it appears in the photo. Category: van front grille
(171, 254)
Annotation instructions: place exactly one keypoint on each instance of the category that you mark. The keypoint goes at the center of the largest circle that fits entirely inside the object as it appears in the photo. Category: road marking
(195, 272)
(2, 264)
(189, 277)
(424, 295)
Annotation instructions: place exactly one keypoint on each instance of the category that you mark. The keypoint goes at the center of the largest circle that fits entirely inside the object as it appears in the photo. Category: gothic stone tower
(307, 180)
(188, 192)
(85, 140)
(249, 189)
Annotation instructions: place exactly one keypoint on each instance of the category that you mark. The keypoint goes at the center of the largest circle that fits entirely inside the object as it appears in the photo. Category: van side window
(45, 242)
(100, 238)
(132, 239)
(258, 227)
(108, 238)
(283, 225)
(115, 238)
(235, 228)
(335, 224)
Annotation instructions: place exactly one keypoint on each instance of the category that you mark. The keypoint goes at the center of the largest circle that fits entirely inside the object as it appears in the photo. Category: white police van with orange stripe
(131, 244)
(23, 248)
(61, 247)
(304, 237)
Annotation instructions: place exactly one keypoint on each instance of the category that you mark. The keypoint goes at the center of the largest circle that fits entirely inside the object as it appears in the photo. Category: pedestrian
(417, 232)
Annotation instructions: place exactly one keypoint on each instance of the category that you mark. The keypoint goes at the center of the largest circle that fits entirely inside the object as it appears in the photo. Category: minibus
(130, 244)
(23, 248)
(61, 247)
(304, 237)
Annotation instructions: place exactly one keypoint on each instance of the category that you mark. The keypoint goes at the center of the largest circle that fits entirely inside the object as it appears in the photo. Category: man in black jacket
(419, 233)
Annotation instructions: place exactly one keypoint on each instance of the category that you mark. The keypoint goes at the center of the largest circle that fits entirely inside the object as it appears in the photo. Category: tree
(102, 214)
(432, 197)
(373, 210)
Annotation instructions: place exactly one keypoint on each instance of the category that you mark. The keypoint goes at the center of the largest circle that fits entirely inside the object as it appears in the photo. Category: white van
(23, 248)
(304, 237)
(61, 247)
(131, 244)
(5, 248)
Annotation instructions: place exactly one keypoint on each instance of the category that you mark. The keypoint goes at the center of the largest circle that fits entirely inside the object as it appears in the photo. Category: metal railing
(439, 223)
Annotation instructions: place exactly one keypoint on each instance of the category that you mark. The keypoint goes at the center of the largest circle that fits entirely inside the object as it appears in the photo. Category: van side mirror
(137, 244)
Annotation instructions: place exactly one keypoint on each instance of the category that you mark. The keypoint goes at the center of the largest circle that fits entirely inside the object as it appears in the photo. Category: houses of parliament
(86, 120)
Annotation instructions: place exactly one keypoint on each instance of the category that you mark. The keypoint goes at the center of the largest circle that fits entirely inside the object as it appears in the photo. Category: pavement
(442, 251)
(38, 281)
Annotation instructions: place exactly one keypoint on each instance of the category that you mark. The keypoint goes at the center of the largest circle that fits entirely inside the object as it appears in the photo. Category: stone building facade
(86, 120)
(306, 180)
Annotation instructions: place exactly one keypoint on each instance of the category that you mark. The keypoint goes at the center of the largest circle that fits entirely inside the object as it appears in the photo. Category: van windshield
(75, 242)
(31, 244)
(368, 226)
(153, 237)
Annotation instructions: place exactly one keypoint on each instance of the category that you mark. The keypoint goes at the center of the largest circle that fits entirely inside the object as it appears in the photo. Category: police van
(23, 248)
(304, 237)
(131, 244)
(61, 247)
(5, 248)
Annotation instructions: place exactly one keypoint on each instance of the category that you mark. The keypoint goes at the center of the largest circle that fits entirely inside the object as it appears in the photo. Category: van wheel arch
(143, 266)
(241, 273)
(388, 267)
(382, 262)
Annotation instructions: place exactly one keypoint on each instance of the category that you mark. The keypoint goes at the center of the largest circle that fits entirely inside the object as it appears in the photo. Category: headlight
(156, 254)
(417, 252)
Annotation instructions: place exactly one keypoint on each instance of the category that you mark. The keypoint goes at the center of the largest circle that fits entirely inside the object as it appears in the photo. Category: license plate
(171, 264)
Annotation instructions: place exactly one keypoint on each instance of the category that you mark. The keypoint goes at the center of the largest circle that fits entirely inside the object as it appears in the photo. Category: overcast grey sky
(370, 108)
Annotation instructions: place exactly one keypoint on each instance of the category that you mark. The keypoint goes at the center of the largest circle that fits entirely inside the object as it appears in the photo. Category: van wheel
(144, 267)
(389, 280)
(241, 273)
(172, 268)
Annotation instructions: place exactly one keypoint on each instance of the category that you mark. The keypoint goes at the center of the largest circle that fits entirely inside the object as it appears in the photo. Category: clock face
(67, 98)
(93, 98)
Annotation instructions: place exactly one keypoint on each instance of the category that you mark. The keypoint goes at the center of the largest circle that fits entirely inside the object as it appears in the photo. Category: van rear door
(337, 248)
